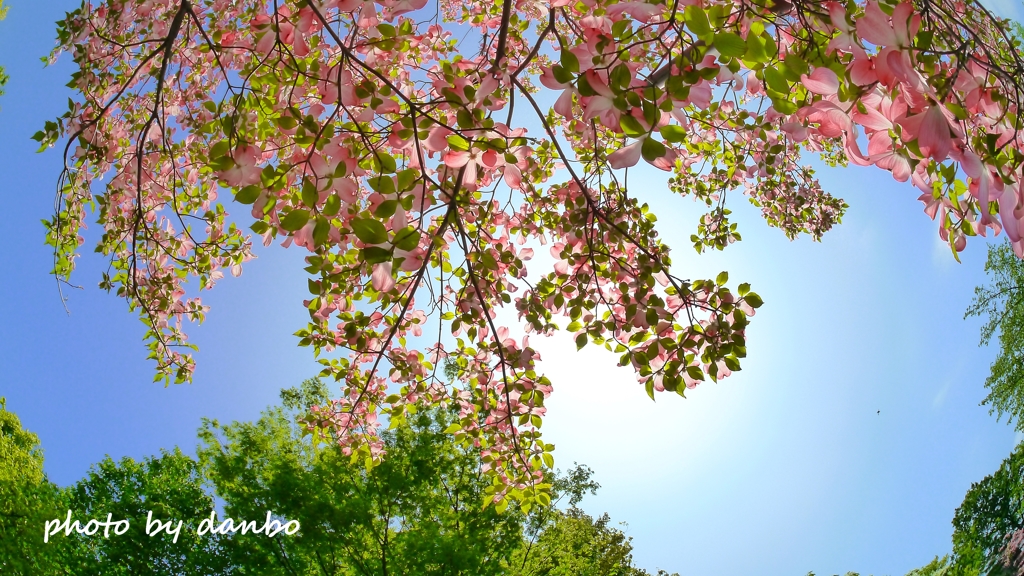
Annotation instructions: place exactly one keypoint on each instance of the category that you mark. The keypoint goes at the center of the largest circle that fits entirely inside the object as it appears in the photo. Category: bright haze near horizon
(845, 443)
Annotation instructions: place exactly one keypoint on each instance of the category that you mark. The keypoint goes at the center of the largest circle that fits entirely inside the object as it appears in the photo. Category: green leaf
(673, 133)
(776, 81)
(386, 209)
(222, 163)
(407, 238)
(294, 220)
(374, 255)
(651, 149)
(321, 231)
(286, 122)
(407, 179)
(386, 162)
(697, 20)
(219, 149)
(756, 52)
(457, 142)
(248, 195)
(465, 118)
(631, 126)
(581, 341)
(722, 279)
(569, 61)
(619, 27)
(781, 105)
(651, 112)
(730, 44)
(310, 195)
(753, 299)
(332, 206)
(620, 77)
(370, 231)
(383, 184)
(796, 64)
(562, 76)
(957, 110)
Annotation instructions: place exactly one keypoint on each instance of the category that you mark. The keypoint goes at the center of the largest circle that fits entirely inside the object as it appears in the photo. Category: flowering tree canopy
(419, 152)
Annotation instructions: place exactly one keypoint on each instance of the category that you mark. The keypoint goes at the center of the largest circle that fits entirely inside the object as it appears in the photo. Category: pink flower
(640, 11)
(460, 159)
(821, 81)
(881, 152)
(244, 172)
(932, 130)
(626, 156)
(876, 28)
(381, 277)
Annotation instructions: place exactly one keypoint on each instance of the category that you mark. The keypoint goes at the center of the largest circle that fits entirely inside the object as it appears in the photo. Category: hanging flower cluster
(420, 152)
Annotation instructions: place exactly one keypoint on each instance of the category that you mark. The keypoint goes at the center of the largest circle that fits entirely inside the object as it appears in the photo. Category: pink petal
(564, 104)
(796, 131)
(837, 13)
(547, 78)
(934, 134)
(599, 85)
(487, 86)
(456, 158)
(900, 16)
(381, 277)
(626, 156)
(904, 71)
(873, 120)
(879, 143)
(821, 81)
(437, 139)
(972, 164)
(666, 162)
(874, 26)
(897, 164)
(513, 177)
(641, 11)
(1007, 205)
(469, 176)
(931, 205)
(862, 72)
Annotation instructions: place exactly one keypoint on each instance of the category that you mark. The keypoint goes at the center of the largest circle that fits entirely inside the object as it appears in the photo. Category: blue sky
(782, 468)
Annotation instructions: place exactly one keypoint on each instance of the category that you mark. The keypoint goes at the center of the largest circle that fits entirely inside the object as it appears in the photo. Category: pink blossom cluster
(419, 154)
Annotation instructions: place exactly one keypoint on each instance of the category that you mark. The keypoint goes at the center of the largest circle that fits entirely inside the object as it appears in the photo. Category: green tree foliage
(575, 544)
(937, 567)
(991, 510)
(27, 500)
(570, 542)
(1002, 303)
(419, 512)
(171, 488)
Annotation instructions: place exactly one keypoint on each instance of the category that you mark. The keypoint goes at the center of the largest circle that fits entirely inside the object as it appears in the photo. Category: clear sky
(783, 468)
